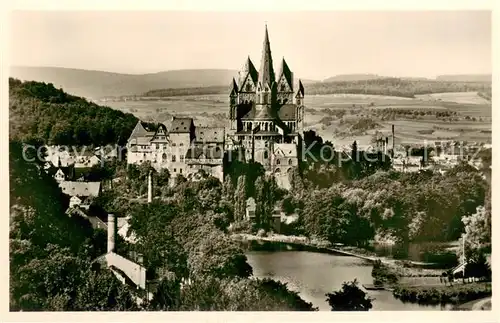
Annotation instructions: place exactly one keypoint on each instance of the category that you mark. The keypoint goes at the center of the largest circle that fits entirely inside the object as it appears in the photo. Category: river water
(313, 275)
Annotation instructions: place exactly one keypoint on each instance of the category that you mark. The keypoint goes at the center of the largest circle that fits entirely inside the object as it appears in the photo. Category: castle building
(183, 150)
(266, 114)
(266, 123)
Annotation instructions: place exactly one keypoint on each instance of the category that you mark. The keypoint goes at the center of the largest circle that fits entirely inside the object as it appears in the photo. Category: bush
(443, 295)
(349, 298)
(382, 274)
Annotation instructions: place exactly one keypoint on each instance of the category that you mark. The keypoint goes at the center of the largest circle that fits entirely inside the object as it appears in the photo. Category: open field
(458, 97)
(332, 116)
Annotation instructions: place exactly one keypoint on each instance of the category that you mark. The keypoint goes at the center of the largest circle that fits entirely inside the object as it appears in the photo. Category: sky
(316, 45)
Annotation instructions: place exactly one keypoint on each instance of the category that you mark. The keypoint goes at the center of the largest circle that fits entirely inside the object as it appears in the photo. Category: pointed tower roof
(266, 72)
(300, 92)
(248, 68)
(138, 131)
(285, 70)
(234, 88)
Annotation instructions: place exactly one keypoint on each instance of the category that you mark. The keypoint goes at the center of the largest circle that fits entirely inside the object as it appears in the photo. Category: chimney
(150, 188)
(111, 233)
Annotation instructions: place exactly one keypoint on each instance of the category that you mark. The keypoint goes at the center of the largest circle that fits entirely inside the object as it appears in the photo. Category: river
(313, 274)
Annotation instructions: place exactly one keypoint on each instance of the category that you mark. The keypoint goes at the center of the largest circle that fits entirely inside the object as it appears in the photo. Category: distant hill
(465, 78)
(353, 77)
(97, 84)
(40, 113)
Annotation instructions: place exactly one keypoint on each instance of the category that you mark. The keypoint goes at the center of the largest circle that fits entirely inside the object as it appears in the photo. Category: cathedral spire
(234, 88)
(266, 73)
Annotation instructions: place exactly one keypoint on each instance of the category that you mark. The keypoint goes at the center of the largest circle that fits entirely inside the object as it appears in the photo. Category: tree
(240, 199)
(477, 233)
(227, 199)
(260, 202)
(349, 298)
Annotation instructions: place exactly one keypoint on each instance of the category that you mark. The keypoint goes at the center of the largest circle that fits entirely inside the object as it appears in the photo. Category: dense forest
(383, 86)
(38, 112)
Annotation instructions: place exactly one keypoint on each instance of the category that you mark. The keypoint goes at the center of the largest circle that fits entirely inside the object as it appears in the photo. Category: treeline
(38, 112)
(390, 206)
(384, 86)
(187, 91)
(395, 87)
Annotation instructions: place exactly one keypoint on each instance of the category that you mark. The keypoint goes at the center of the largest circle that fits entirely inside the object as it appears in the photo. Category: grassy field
(334, 116)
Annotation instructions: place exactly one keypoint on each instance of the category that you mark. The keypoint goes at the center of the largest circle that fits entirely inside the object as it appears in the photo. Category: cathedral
(266, 115)
(266, 121)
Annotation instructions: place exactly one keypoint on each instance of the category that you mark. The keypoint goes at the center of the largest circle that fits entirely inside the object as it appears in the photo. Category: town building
(80, 192)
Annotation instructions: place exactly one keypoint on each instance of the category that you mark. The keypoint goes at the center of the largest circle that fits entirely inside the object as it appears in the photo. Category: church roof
(266, 72)
(181, 125)
(285, 70)
(262, 114)
(287, 112)
(234, 88)
(300, 92)
(248, 69)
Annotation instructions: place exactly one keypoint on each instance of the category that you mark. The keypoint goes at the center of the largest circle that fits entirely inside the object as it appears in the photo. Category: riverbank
(407, 269)
(456, 294)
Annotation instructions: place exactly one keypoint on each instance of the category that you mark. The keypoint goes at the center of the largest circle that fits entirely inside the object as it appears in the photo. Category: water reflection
(315, 274)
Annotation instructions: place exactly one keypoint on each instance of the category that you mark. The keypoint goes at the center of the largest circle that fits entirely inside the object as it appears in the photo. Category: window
(290, 162)
(180, 170)
(173, 158)
(265, 155)
(181, 144)
(277, 162)
(283, 88)
(175, 170)
(249, 87)
(157, 146)
(164, 156)
(173, 144)
(181, 158)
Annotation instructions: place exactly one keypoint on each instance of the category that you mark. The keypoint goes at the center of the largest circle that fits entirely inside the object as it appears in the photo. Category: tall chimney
(111, 233)
(150, 188)
(392, 154)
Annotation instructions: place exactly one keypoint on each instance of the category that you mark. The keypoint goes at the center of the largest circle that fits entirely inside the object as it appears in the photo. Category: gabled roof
(248, 69)
(81, 188)
(181, 125)
(266, 72)
(209, 134)
(234, 88)
(285, 71)
(160, 132)
(285, 150)
(300, 92)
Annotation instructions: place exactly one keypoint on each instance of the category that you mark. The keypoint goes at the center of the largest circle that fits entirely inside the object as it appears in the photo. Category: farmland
(343, 118)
